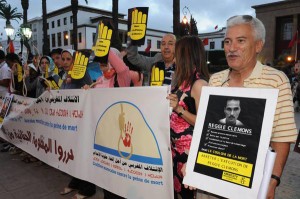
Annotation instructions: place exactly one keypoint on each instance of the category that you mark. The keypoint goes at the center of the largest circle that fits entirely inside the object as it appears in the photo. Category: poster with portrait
(230, 140)
(4, 109)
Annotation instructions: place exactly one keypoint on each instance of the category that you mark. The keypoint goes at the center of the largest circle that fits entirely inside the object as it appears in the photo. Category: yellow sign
(157, 76)
(231, 177)
(138, 25)
(19, 72)
(102, 44)
(79, 67)
(225, 164)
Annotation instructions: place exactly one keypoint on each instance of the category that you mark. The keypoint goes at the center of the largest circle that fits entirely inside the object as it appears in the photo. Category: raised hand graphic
(157, 76)
(80, 64)
(102, 44)
(138, 25)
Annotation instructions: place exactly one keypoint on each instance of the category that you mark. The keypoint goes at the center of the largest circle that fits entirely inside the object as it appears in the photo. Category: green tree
(184, 29)
(193, 27)
(8, 13)
(74, 7)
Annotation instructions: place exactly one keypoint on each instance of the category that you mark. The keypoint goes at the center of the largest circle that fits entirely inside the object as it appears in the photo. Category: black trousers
(110, 195)
(84, 188)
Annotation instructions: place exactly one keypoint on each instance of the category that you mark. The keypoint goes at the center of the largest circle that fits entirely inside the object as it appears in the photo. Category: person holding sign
(115, 72)
(162, 65)
(46, 79)
(244, 40)
(79, 64)
(85, 189)
(190, 76)
(31, 75)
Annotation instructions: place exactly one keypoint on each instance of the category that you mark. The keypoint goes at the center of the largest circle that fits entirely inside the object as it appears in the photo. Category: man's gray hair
(170, 34)
(258, 27)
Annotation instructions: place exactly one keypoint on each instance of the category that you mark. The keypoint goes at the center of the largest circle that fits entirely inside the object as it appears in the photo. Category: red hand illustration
(128, 132)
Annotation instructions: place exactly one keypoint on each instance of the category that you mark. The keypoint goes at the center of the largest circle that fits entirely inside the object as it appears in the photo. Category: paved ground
(21, 180)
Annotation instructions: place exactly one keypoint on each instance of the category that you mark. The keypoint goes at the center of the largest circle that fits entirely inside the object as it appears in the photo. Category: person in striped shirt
(244, 40)
(161, 66)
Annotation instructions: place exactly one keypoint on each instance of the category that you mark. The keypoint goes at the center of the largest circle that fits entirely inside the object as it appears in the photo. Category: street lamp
(9, 30)
(25, 31)
(185, 26)
(184, 11)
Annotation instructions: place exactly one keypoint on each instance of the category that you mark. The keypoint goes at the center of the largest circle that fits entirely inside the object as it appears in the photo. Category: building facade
(60, 25)
(215, 42)
(282, 20)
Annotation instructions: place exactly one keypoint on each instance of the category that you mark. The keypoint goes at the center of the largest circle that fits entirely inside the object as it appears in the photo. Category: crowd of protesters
(183, 65)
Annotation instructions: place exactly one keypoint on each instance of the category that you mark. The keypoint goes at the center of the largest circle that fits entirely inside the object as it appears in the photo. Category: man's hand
(79, 67)
(102, 44)
(138, 25)
(157, 76)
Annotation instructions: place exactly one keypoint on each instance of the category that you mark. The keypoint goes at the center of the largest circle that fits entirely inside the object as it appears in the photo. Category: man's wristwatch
(276, 178)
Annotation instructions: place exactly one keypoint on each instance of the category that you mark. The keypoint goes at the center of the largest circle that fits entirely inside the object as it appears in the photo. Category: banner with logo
(117, 138)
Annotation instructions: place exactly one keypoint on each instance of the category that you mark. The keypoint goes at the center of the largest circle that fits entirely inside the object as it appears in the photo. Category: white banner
(117, 138)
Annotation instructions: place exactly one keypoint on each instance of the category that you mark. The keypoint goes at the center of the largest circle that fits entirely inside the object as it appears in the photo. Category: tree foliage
(189, 28)
(8, 13)
(193, 27)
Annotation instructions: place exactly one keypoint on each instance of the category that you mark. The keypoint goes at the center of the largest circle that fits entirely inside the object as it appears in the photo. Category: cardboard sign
(137, 24)
(102, 41)
(230, 140)
(19, 72)
(5, 106)
(79, 68)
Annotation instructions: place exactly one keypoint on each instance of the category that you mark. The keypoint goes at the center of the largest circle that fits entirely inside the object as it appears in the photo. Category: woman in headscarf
(84, 188)
(46, 70)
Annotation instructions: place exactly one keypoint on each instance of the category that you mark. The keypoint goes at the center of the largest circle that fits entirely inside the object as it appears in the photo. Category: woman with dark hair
(191, 74)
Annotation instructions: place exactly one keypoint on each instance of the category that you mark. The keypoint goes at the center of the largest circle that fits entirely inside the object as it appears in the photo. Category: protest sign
(120, 134)
(230, 141)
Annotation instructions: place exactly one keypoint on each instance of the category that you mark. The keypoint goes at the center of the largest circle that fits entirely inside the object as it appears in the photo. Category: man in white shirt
(5, 73)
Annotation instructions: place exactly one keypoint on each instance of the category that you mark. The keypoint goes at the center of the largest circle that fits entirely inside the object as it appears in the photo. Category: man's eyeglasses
(247, 18)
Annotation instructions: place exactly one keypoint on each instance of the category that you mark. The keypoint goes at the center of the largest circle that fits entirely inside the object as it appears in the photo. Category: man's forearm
(282, 149)
(144, 62)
